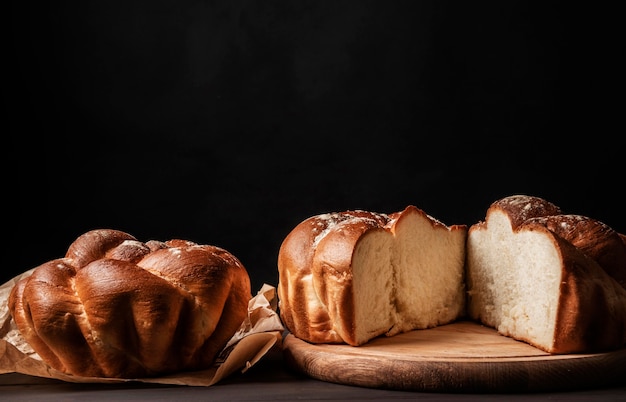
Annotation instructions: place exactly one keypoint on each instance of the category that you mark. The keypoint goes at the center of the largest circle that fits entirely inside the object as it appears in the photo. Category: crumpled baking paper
(259, 332)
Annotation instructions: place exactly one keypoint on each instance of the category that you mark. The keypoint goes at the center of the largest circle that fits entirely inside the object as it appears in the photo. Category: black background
(228, 123)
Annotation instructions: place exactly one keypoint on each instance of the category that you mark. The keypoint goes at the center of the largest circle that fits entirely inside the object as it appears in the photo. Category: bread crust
(593, 238)
(591, 307)
(117, 307)
(316, 276)
(315, 281)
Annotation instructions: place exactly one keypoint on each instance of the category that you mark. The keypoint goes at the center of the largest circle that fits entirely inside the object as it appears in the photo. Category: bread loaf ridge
(118, 307)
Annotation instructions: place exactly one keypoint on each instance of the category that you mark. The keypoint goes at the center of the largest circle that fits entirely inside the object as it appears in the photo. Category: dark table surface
(269, 379)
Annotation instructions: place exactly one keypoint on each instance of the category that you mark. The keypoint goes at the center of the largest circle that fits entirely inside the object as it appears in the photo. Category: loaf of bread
(120, 308)
(348, 277)
(555, 281)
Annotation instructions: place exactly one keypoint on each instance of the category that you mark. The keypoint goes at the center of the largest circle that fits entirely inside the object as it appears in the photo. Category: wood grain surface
(459, 357)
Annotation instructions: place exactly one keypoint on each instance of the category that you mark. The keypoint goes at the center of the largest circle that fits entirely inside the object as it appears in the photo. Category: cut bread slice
(349, 277)
(534, 284)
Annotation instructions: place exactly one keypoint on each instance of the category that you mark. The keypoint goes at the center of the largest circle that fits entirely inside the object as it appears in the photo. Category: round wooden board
(458, 357)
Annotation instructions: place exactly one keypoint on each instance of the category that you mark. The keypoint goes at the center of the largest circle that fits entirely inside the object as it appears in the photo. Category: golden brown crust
(594, 239)
(316, 265)
(520, 208)
(592, 307)
(95, 244)
(590, 236)
(591, 312)
(116, 307)
(314, 254)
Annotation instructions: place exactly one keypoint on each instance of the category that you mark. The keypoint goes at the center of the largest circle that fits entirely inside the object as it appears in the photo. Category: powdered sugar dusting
(134, 243)
(571, 221)
(176, 252)
(525, 207)
(325, 223)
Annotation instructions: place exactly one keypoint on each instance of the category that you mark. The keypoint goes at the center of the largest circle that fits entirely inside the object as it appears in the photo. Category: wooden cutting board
(458, 357)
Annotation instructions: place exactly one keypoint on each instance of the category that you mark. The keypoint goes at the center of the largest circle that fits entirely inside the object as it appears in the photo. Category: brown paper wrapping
(259, 332)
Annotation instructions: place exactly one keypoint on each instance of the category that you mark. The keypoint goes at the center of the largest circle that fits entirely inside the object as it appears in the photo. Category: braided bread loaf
(117, 307)
(351, 276)
(555, 281)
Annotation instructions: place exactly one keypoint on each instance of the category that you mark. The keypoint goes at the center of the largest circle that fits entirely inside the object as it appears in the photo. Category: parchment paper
(259, 332)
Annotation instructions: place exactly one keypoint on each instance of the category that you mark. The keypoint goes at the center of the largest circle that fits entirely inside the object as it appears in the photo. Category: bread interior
(513, 279)
(408, 278)
(429, 272)
(373, 284)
